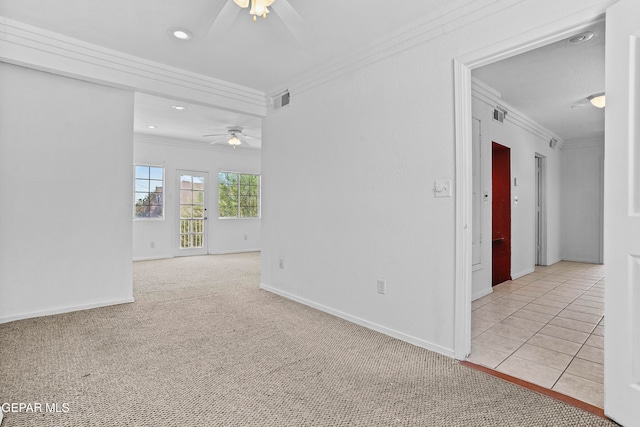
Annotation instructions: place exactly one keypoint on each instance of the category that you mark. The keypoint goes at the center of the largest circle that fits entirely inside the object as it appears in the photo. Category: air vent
(281, 100)
(499, 114)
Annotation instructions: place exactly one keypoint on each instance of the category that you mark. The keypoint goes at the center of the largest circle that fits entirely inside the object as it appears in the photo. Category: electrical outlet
(281, 263)
(245, 237)
(152, 245)
(382, 286)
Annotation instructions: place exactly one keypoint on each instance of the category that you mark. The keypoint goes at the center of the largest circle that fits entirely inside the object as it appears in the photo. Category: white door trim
(555, 31)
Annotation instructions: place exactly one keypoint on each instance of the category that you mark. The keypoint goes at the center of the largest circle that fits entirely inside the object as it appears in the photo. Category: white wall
(224, 235)
(348, 171)
(66, 183)
(582, 200)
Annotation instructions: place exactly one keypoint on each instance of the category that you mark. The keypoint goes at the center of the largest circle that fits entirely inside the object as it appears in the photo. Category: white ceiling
(192, 122)
(550, 85)
(265, 55)
(261, 55)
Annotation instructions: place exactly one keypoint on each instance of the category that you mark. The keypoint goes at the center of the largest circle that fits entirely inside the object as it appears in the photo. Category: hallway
(546, 328)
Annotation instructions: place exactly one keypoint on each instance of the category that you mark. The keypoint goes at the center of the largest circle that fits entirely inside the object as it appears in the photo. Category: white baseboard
(482, 294)
(67, 309)
(358, 321)
(522, 273)
(239, 251)
(586, 261)
(152, 258)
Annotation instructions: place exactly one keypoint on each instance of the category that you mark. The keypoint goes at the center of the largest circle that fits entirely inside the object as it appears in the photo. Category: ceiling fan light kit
(234, 141)
(597, 100)
(258, 7)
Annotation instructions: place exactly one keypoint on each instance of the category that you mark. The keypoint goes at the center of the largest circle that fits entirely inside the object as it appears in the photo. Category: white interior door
(192, 213)
(622, 214)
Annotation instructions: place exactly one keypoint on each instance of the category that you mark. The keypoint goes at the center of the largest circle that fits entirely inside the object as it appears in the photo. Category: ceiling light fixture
(258, 7)
(582, 37)
(234, 140)
(597, 100)
(179, 107)
(181, 33)
(151, 126)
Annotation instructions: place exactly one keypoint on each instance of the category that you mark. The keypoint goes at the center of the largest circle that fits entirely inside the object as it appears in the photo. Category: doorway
(192, 218)
(463, 69)
(561, 30)
(501, 214)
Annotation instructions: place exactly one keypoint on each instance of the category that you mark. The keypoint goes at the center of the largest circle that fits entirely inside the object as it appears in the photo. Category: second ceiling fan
(233, 137)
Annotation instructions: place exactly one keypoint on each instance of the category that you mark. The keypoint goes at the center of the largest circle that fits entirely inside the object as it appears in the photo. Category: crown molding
(33, 47)
(198, 145)
(579, 144)
(448, 18)
(491, 97)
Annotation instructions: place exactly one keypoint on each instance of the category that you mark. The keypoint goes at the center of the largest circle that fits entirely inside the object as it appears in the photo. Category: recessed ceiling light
(181, 33)
(178, 107)
(151, 126)
(582, 37)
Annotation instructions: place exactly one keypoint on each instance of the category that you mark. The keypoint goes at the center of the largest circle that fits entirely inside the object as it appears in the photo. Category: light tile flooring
(546, 328)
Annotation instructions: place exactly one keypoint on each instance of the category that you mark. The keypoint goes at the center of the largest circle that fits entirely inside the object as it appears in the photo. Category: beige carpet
(203, 346)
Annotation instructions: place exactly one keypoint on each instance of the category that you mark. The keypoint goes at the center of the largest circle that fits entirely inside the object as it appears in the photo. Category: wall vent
(499, 114)
(281, 100)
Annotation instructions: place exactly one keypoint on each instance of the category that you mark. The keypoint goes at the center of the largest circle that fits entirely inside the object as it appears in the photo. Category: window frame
(135, 199)
(239, 206)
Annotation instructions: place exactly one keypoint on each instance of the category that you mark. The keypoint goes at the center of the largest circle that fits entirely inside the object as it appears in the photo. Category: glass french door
(192, 209)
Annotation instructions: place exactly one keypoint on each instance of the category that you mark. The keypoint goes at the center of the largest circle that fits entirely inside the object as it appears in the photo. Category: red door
(501, 214)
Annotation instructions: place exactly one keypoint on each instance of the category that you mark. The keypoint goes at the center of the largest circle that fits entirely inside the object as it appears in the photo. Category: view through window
(239, 195)
(149, 191)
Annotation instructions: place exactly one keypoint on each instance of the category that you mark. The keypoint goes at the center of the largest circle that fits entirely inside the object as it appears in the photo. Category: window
(239, 195)
(149, 191)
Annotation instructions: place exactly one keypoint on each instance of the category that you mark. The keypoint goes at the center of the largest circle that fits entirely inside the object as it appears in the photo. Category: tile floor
(546, 328)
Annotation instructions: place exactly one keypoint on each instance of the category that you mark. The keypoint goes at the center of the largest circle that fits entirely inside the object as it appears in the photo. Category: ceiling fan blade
(216, 134)
(245, 142)
(250, 136)
(219, 141)
(293, 21)
(223, 21)
(581, 103)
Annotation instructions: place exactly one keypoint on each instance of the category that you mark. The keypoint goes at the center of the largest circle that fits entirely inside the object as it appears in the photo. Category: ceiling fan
(596, 100)
(233, 137)
(291, 19)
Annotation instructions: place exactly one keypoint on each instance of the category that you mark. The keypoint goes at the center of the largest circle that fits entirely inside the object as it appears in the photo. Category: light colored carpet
(204, 346)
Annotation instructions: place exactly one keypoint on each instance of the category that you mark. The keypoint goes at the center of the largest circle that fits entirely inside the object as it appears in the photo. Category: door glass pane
(185, 182)
(185, 211)
(198, 197)
(186, 197)
(198, 183)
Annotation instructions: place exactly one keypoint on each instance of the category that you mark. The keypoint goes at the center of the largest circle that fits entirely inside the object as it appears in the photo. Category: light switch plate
(442, 188)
